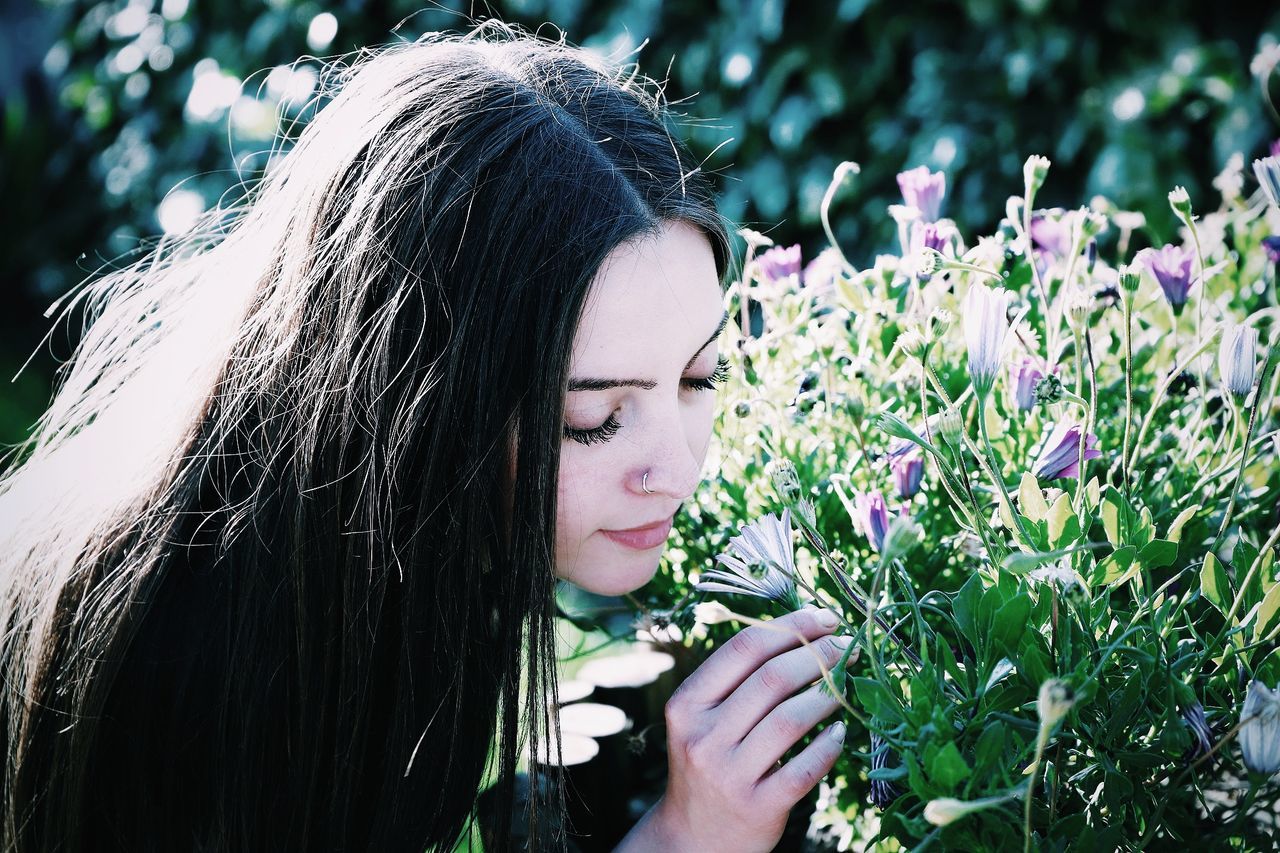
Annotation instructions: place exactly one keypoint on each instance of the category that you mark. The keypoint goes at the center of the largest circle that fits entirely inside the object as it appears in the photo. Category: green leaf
(1115, 567)
(1175, 529)
(1031, 499)
(1114, 514)
(1063, 525)
(875, 697)
(1158, 553)
(947, 767)
(966, 606)
(1268, 619)
(1214, 585)
(1010, 623)
(990, 748)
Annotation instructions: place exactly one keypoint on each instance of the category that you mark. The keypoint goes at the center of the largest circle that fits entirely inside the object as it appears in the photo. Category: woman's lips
(642, 538)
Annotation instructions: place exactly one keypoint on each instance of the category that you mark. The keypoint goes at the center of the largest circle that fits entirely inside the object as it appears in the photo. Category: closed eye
(708, 383)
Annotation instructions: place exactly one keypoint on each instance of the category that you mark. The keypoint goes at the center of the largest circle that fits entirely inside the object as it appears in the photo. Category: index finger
(731, 664)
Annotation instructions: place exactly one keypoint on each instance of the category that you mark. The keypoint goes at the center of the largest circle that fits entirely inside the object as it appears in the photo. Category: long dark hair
(266, 578)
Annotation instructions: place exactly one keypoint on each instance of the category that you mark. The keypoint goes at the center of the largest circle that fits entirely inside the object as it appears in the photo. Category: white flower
(762, 562)
(712, 613)
(1259, 733)
(944, 810)
(1237, 362)
(1054, 701)
(1059, 573)
(986, 325)
(1268, 171)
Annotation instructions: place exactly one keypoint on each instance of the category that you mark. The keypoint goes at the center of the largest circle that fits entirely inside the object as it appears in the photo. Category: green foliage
(780, 93)
(1133, 594)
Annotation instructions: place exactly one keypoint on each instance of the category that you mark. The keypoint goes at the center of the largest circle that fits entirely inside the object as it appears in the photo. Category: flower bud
(950, 425)
(1259, 733)
(1130, 279)
(1091, 224)
(712, 613)
(1180, 201)
(945, 810)
(1034, 171)
(929, 261)
(940, 320)
(1055, 700)
(857, 408)
(786, 482)
(1049, 390)
(913, 343)
(903, 535)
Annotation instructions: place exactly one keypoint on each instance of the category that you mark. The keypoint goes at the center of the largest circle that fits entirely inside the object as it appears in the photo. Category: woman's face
(641, 398)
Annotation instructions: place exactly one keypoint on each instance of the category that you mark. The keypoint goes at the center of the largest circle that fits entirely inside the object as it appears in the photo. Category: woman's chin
(618, 578)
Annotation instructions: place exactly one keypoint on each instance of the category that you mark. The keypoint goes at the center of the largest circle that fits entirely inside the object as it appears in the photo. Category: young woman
(277, 566)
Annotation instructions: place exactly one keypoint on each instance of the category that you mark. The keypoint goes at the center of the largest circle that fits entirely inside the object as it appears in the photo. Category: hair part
(264, 578)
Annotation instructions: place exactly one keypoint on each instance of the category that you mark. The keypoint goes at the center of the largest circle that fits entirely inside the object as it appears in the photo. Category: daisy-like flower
(873, 517)
(908, 470)
(1237, 361)
(1171, 267)
(1267, 171)
(1259, 733)
(1051, 231)
(923, 190)
(761, 562)
(1271, 245)
(1025, 379)
(1060, 454)
(780, 263)
(986, 325)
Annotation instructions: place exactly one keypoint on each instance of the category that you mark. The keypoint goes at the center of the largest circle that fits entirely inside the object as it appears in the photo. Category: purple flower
(907, 473)
(986, 325)
(1052, 233)
(822, 272)
(1060, 454)
(778, 263)
(1025, 380)
(1275, 148)
(1271, 245)
(1171, 267)
(1201, 734)
(873, 516)
(923, 190)
(882, 792)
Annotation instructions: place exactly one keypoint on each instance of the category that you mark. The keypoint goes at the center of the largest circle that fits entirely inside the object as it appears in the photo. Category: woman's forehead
(653, 295)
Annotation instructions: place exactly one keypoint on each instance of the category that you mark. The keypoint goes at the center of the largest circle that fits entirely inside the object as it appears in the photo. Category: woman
(277, 566)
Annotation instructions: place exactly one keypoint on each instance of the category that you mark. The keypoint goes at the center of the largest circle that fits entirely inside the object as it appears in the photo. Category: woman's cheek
(573, 503)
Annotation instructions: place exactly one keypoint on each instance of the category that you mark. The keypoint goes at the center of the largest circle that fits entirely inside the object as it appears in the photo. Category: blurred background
(124, 119)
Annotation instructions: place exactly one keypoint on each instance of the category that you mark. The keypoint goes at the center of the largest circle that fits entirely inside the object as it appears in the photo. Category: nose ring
(644, 484)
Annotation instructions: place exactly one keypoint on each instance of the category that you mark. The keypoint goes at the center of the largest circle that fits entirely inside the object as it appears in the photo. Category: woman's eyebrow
(646, 384)
(719, 328)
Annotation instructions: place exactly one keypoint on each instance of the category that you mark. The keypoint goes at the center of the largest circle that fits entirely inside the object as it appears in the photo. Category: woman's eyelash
(604, 432)
(709, 383)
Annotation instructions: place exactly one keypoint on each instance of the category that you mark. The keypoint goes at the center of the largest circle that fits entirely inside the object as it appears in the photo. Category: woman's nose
(674, 468)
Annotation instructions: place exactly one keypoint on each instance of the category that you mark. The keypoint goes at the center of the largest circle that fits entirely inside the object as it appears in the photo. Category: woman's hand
(728, 725)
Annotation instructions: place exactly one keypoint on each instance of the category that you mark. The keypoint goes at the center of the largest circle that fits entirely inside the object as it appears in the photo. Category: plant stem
(1159, 398)
(1244, 456)
(998, 477)
(1128, 391)
(1041, 740)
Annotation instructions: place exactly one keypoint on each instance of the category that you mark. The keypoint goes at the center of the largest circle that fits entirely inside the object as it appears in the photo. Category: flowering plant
(1050, 525)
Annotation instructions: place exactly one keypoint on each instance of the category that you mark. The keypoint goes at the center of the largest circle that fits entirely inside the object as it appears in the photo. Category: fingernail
(843, 640)
(837, 731)
(827, 619)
